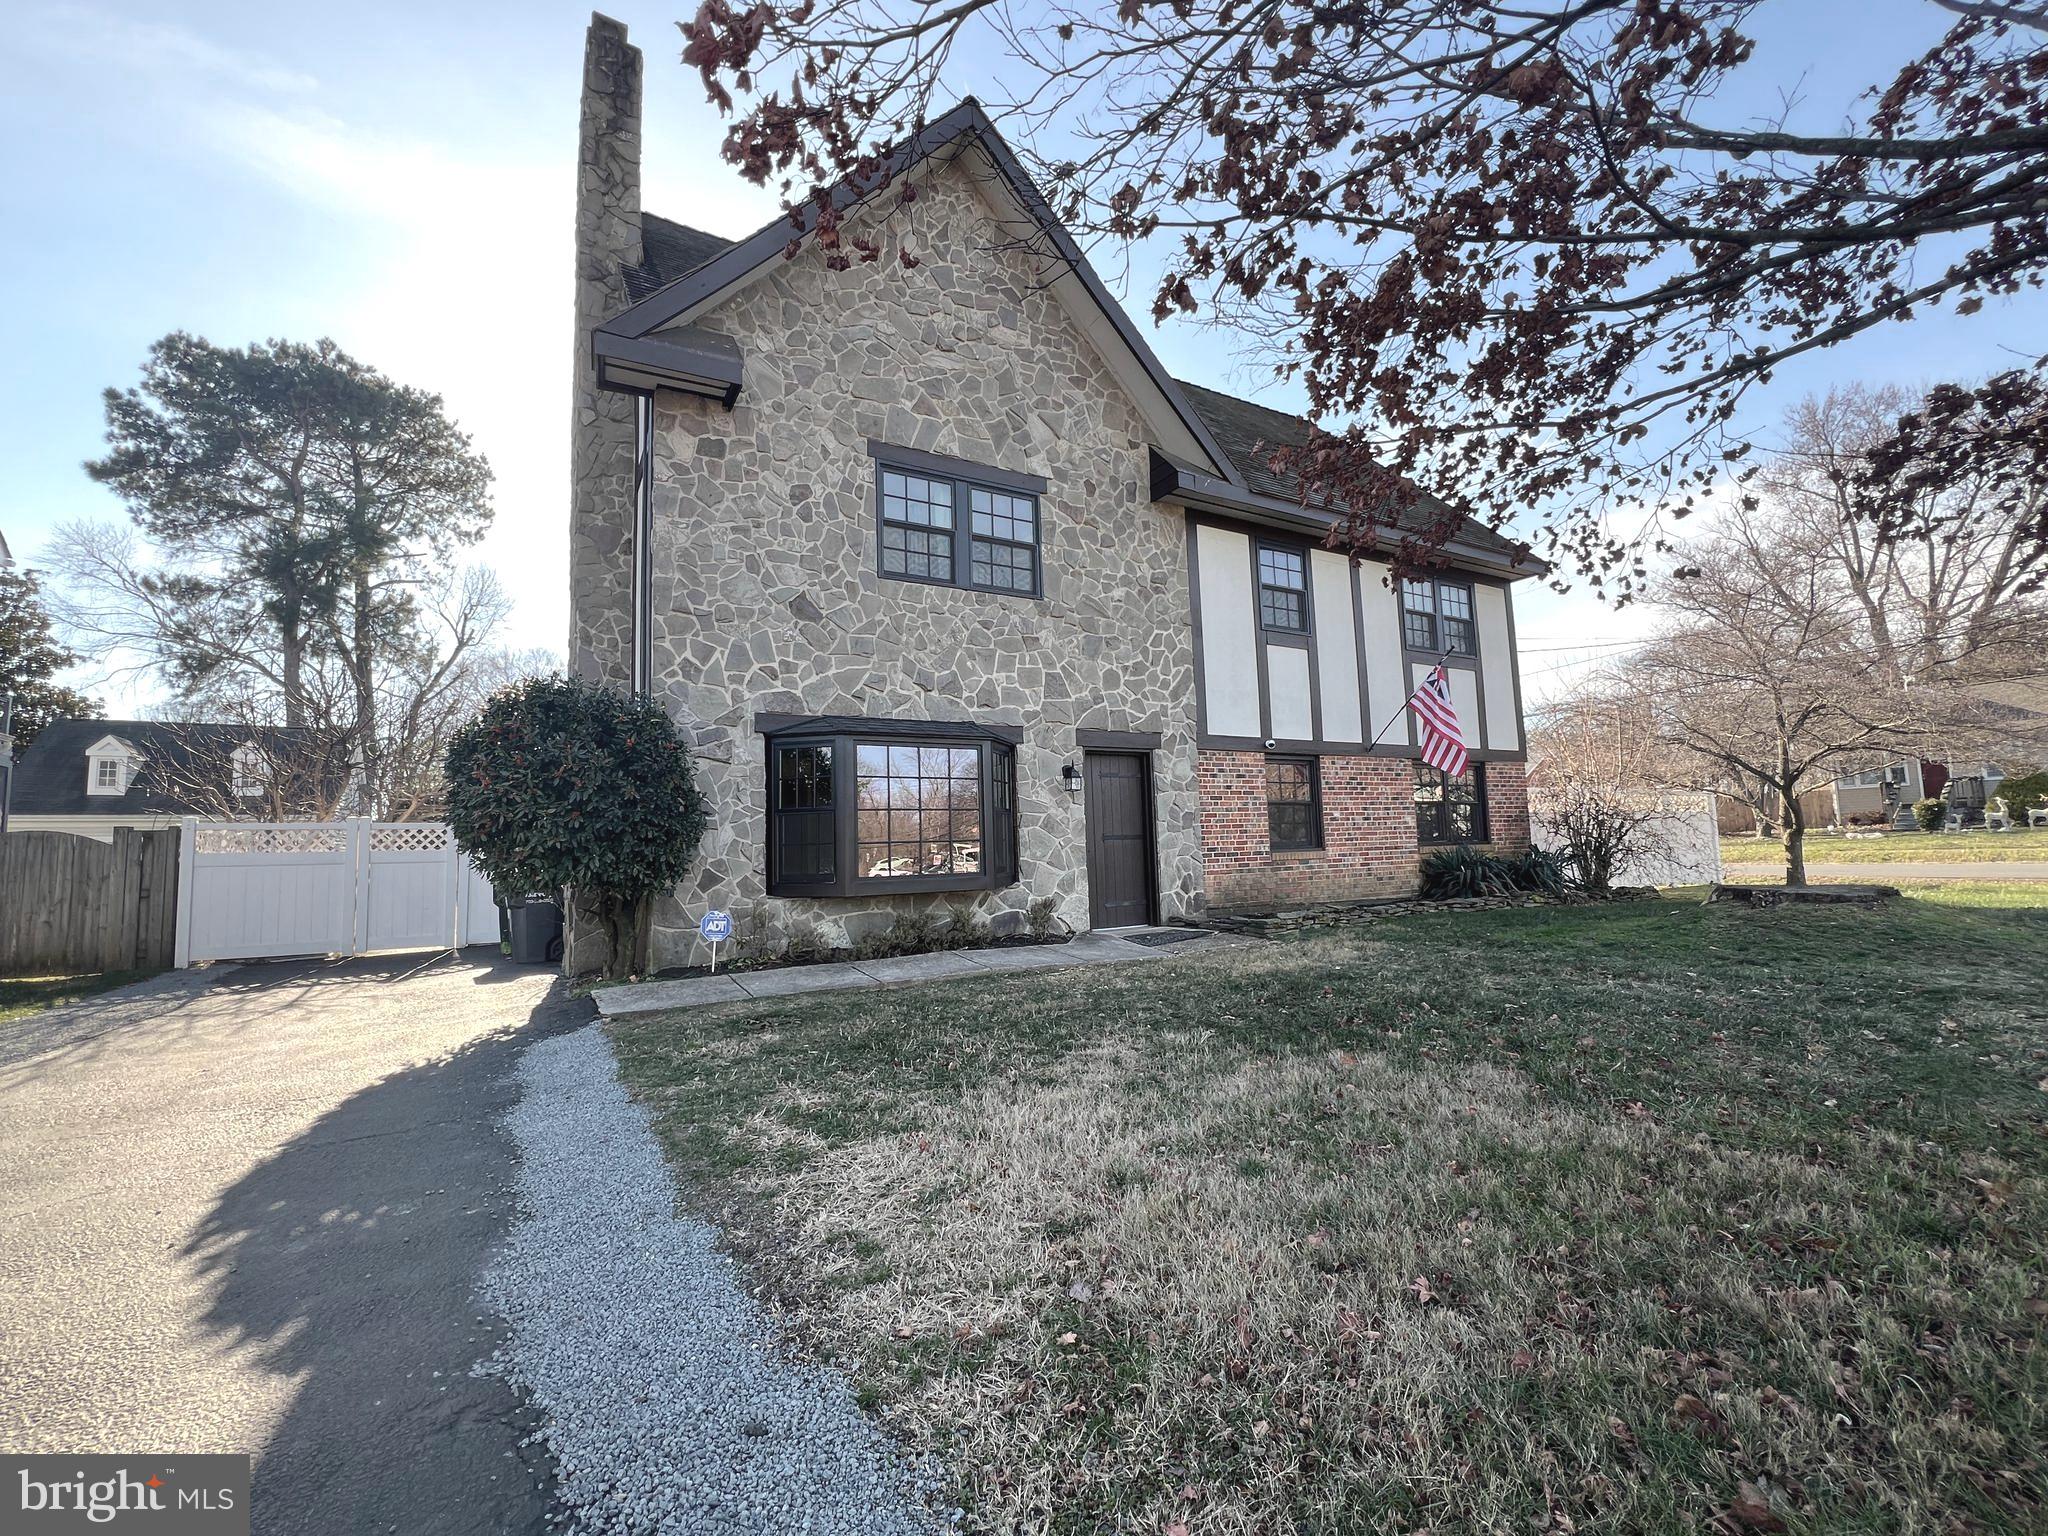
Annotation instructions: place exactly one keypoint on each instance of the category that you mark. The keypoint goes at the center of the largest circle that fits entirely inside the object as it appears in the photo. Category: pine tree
(30, 656)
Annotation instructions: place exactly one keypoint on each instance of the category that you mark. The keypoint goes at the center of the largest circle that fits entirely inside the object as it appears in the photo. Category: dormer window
(109, 766)
(251, 771)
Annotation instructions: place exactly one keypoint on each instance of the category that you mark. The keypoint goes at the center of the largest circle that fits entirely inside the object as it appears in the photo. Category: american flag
(1443, 743)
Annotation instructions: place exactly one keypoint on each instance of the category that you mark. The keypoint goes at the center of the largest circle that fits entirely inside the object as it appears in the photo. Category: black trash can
(534, 928)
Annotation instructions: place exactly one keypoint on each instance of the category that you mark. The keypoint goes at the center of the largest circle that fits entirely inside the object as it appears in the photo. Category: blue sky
(399, 178)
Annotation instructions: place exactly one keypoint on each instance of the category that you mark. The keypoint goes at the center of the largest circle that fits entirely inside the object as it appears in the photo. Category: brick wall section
(1369, 846)
(1507, 805)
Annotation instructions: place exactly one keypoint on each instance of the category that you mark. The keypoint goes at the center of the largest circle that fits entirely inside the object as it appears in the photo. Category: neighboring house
(1889, 792)
(961, 600)
(91, 776)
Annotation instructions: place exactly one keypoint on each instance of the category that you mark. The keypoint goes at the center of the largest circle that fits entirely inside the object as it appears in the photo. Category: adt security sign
(714, 927)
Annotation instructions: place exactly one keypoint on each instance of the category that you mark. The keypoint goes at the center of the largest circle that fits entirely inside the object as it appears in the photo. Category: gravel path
(666, 1401)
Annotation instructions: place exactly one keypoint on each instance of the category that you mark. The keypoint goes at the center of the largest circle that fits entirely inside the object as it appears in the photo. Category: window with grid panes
(1283, 589)
(917, 527)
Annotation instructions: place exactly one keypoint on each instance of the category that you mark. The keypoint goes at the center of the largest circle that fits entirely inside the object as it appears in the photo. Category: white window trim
(109, 749)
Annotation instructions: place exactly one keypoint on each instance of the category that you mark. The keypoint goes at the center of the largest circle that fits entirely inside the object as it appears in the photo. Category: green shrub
(2023, 793)
(1928, 814)
(1537, 870)
(558, 784)
(1450, 874)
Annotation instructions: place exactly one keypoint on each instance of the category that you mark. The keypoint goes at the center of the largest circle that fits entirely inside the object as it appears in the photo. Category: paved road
(1986, 869)
(242, 1210)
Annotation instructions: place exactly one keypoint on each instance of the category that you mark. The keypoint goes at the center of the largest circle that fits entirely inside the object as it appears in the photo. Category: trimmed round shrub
(562, 785)
(1928, 814)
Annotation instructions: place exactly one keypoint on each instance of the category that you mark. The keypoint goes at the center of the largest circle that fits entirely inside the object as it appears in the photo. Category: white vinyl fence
(1687, 826)
(252, 890)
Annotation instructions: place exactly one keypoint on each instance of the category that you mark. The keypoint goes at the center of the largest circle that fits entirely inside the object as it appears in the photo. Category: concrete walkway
(900, 971)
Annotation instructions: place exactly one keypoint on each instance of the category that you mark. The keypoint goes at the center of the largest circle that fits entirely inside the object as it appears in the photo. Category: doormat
(1158, 938)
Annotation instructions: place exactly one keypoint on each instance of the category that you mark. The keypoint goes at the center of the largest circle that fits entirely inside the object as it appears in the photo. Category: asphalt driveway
(243, 1210)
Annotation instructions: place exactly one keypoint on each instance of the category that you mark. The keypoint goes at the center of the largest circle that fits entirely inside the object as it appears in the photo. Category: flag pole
(1405, 703)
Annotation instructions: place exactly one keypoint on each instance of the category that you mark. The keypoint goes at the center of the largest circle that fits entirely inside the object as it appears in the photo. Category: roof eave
(694, 361)
(1195, 491)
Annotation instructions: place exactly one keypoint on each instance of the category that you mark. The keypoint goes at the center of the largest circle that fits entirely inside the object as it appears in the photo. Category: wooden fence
(71, 903)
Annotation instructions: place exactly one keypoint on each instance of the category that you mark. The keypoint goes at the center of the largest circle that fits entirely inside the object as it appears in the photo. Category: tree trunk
(626, 929)
(294, 672)
(368, 741)
(1794, 836)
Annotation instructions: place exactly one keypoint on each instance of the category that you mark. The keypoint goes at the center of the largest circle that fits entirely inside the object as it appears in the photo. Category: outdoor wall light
(1071, 777)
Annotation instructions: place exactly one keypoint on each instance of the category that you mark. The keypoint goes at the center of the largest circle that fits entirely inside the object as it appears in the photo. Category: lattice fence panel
(233, 840)
(409, 837)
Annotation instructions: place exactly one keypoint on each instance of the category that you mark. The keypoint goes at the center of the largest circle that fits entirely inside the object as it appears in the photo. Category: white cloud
(156, 48)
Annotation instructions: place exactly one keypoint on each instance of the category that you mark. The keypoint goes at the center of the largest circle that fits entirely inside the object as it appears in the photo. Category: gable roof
(723, 270)
(49, 776)
(684, 269)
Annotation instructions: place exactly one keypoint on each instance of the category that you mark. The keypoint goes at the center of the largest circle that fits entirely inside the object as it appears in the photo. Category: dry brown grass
(1163, 1270)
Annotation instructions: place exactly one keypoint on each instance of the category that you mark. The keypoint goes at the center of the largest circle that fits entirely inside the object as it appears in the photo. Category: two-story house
(960, 598)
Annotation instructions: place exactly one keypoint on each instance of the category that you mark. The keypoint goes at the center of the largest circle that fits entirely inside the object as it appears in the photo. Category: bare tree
(1765, 674)
(1596, 765)
(1525, 256)
(432, 663)
(242, 769)
(1943, 560)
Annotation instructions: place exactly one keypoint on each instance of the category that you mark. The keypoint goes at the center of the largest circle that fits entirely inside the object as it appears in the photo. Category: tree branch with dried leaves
(1515, 254)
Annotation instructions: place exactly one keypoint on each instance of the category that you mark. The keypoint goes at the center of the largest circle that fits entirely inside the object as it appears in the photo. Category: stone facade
(1369, 845)
(766, 594)
(601, 435)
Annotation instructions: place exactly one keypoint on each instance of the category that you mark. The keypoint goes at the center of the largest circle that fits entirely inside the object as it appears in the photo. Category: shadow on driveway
(314, 1173)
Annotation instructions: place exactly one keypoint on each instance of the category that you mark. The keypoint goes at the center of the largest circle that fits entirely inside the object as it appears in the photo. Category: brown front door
(1119, 839)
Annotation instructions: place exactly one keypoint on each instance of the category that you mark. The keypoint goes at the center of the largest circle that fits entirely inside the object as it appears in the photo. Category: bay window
(880, 806)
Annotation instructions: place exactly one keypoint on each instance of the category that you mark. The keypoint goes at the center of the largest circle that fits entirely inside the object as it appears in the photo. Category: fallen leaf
(1754, 1510)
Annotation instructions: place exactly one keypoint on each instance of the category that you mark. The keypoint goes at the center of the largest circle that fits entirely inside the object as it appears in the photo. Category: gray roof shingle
(668, 251)
(49, 777)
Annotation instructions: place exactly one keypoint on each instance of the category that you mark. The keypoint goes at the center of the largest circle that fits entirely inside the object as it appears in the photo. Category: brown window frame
(998, 814)
(963, 479)
(1314, 804)
(1261, 548)
(1441, 835)
(1434, 615)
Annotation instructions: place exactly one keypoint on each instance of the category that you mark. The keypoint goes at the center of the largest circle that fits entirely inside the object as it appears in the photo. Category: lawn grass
(21, 996)
(1940, 847)
(1646, 1217)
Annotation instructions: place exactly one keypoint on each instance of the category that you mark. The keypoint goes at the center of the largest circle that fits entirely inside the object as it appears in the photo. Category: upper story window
(924, 500)
(1436, 616)
(917, 527)
(1283, 589)
(1003, 548)
(251, 770)
(106, 776)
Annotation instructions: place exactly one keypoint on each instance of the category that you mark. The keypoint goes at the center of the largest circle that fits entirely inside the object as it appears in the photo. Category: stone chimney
(601, 432)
